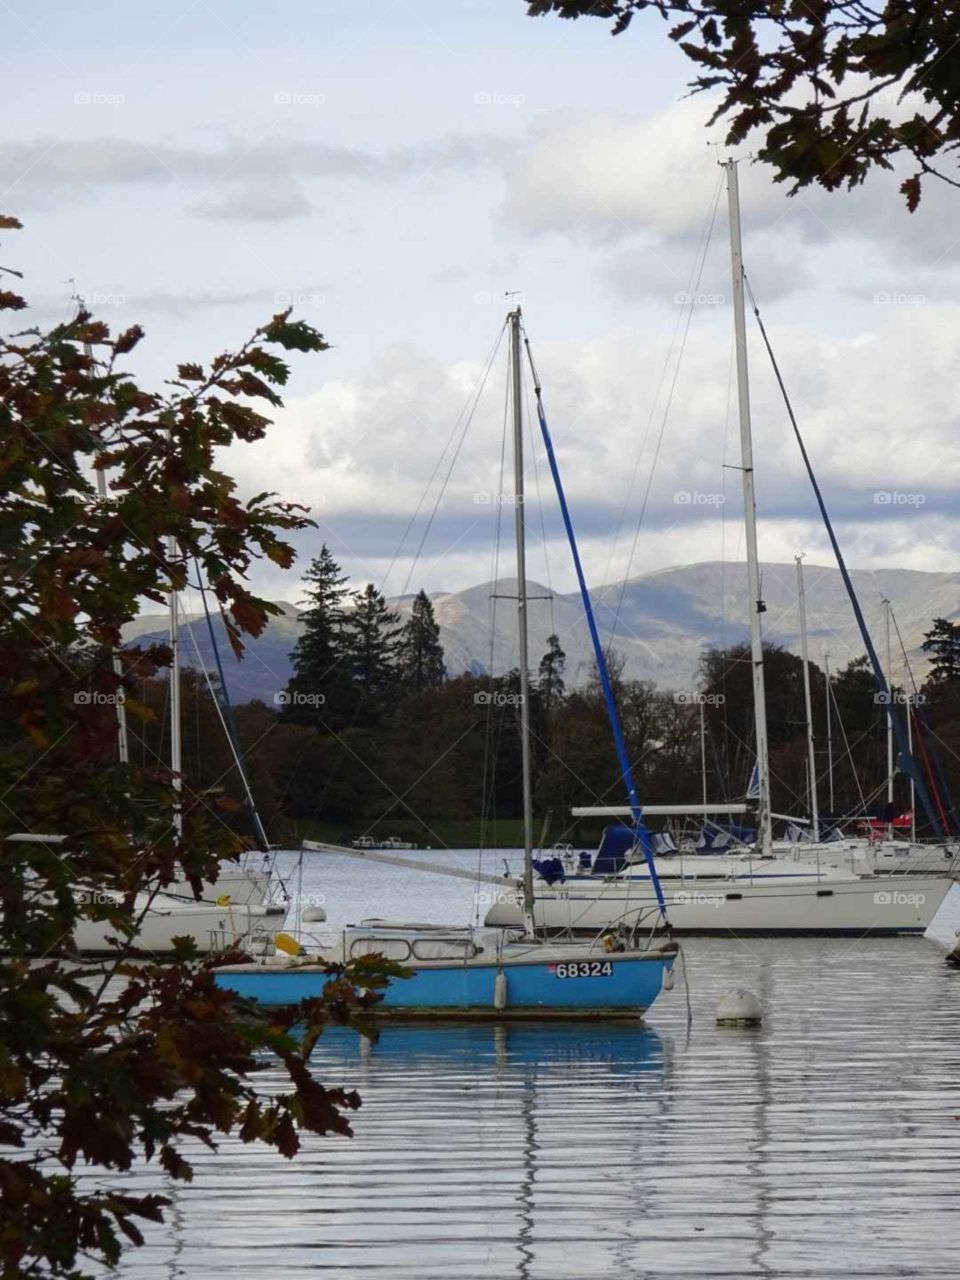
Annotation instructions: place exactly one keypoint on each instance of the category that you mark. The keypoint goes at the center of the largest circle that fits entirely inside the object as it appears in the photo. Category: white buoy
(313, 915)
(739, 1008)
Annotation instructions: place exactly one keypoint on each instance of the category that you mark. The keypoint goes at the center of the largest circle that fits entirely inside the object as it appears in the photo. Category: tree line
(373, 734)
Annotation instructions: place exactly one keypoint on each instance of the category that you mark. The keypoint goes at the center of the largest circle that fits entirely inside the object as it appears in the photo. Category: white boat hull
(237, 883)
(855, 905)
(212, 928)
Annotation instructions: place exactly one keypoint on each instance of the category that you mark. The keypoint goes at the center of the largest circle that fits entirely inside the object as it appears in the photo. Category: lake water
(825, 1144)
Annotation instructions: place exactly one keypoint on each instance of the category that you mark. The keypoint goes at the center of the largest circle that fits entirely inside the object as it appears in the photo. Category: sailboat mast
(828, 690)
(886, 607)
(515, 369)
(757, 606)
(913, 785)
(176, 742)
(123, 741)
(703, 750)
(808, 706)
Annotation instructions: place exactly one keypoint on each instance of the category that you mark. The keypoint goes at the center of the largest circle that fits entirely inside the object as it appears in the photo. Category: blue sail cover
(550, 869)
(616, 845)
(722, 835)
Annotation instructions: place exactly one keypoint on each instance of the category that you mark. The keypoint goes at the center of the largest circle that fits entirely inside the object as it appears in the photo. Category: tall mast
(176, 746)
(811, 757)
(828, 690)
(886, 608)
(123, 742)
(913, 785)
(757, 607)
(703, 750)
(515, 369)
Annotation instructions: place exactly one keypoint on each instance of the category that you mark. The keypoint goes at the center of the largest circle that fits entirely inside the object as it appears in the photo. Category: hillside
(666, 618)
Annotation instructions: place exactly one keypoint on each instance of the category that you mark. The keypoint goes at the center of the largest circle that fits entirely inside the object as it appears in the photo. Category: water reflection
(823, 1144)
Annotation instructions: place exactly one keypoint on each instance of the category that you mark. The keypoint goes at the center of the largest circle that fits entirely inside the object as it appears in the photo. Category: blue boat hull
(614, 986)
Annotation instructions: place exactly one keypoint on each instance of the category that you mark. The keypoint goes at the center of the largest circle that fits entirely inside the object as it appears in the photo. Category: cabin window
(445, 949)
(389, 948)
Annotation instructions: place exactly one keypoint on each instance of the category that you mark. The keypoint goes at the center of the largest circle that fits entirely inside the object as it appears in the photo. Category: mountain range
(659, 623)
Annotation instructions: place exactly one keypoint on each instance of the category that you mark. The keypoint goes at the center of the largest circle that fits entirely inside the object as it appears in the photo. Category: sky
(393, 170)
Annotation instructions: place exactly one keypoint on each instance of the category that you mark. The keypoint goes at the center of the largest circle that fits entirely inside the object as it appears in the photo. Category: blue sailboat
(487, 972)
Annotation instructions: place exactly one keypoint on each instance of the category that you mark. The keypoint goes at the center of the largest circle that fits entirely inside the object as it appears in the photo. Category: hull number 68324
(585, 969)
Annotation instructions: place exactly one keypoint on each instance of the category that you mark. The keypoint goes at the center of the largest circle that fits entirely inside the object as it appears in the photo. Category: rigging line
(666, 414)
(472, 398)
(847, 749)
(226, 713)
(532, 440)
(878, 673)
(903, 649)
(723, 506)
(656, 398)
(935, 773)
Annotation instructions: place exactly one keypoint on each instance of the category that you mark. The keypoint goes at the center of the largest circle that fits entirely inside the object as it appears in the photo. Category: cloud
(371, 454)
(260, 200)
(610, 180)
(51, 165)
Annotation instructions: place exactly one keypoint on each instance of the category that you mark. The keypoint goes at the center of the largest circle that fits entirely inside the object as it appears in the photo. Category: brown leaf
(910, 187)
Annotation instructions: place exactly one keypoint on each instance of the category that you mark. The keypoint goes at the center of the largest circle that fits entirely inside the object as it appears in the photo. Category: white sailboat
(239, 905)
(763, 889)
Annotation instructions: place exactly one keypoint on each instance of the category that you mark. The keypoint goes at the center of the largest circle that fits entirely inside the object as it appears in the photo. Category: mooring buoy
(739, 1008)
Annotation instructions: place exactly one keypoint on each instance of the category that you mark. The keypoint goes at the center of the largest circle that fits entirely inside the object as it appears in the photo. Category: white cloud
(876, 410)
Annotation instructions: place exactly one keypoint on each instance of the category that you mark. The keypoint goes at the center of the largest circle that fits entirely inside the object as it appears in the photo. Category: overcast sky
(393, 169)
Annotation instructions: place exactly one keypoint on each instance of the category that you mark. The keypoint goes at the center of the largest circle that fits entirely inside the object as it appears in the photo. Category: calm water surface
(825, 1144)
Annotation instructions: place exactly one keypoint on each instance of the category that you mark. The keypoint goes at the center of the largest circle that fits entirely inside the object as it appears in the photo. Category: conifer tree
(943, 642)
(419, 652)
(551, 684)
(317, 692)
(371, 634)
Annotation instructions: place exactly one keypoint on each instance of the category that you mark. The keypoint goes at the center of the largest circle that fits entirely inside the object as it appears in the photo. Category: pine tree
(551, 684)
(316, 694)
(371, 632)
(419, 652)
(943, 642)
